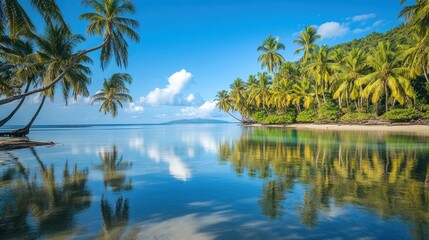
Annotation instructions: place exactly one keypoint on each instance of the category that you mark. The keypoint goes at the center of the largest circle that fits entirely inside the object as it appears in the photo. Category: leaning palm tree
(54, 54)
(387, 74)
(108, 21)
(12, 76)
(19, 22)
(306, 40)
(224, 103)
(113, 94)
(270, 57)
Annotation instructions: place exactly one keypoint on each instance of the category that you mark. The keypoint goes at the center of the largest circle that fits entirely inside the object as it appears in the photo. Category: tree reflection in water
(33, 207)
(113, 166)
(383, 172)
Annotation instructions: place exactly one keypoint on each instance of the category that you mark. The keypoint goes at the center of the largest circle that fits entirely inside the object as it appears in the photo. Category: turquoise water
(219, 181)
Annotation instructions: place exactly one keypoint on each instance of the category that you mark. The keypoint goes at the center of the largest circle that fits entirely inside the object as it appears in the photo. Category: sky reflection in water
(216, 182)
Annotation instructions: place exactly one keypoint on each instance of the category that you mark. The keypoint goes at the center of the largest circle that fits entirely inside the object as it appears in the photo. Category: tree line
(380, 77)
(33, 61)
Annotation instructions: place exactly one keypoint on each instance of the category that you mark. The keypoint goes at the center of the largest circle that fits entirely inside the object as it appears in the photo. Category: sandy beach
(415, 129)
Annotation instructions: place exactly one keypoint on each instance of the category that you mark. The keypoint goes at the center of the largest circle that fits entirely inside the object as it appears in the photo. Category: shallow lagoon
(218, 181)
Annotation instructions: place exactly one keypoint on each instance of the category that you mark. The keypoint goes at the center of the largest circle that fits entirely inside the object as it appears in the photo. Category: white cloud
(190, 98)
(377, 23)
(363, 17)
(168, 95)
(35, 99)
(133, 108)
(80, 99)
(205, 110)
(332, 29)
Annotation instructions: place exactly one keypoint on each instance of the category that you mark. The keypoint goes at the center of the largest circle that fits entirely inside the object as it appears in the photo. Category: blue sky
(190, 49)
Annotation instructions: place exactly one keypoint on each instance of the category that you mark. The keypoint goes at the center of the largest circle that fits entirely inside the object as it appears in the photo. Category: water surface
(218, 181)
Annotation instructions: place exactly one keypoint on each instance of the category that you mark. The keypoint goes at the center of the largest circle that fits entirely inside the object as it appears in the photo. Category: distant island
(196, 121)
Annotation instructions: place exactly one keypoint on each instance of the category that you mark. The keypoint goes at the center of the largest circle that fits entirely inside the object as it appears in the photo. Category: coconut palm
(260, 92)
(19, 22)
(350, 69)
(306, 40)
(280, 94)
(417, 15)
(107, 21)
(387, 73)
(417, 56)
(270, 57)
(113, 94)
(55, 50)
(11, 77)
(321, 68)
(224, 103)
(302, 93)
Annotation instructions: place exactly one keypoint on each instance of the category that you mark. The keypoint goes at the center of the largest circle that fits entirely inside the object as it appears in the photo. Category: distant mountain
(396, 36)
(195, 121)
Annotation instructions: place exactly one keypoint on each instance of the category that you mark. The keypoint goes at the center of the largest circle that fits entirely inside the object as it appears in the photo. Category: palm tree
(260, 93)
(55, 52)
(113, 94)
(417, 15)
(306, 40)
(417, 55)
(350, 70)
(224, 103)
(387, 73)
(302, 92)
(270, 57)
(280, 94)
(107, 21)
(19, 22)
(321, 69)
(13, 74)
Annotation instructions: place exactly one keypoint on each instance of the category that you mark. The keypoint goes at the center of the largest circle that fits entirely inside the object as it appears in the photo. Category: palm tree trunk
(386, 96)
(57, 79)
(347, 99)
(317, 94)
(425, 73)
(26, 130)
(6, 119)
(234, 117)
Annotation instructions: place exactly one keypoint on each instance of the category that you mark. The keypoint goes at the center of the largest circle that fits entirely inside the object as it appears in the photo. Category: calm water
(215, 182)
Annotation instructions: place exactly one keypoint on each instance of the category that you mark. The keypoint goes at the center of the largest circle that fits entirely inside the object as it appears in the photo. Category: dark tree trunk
(25, 130)
(6, 119)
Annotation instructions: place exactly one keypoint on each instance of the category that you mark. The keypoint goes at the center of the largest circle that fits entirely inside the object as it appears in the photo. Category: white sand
(416, 129)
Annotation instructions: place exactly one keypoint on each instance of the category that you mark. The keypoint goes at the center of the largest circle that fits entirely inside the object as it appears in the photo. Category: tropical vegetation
(381, 77)
(40, 62)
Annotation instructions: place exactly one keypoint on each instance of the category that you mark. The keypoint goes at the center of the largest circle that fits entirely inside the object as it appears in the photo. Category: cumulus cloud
(134, 108)
(363, 17)
(168, 95)
(207, 109)
(332, 29)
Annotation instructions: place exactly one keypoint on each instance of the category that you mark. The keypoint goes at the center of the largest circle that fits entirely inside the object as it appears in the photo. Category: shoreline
(398, 128)
(11, 143)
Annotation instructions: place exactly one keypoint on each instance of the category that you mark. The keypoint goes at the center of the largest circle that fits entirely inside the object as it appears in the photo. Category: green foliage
(287, 118)
(328, 112)
(259, 116)
(402, 115)
(355, 117)
(306, 116)
(424, 111)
